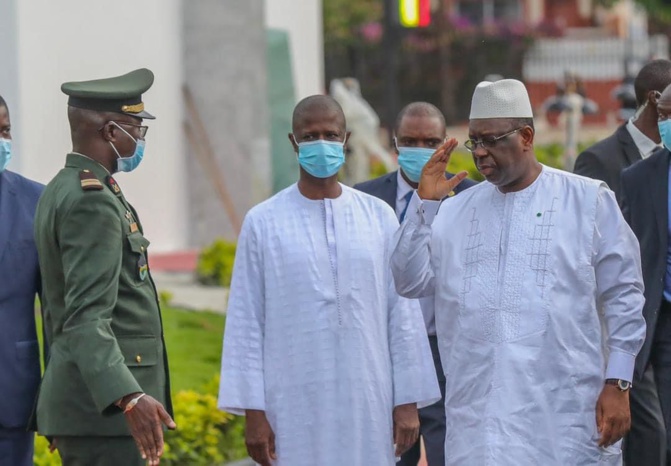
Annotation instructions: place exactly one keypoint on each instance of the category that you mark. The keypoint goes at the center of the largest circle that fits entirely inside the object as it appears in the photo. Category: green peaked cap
(121, 94)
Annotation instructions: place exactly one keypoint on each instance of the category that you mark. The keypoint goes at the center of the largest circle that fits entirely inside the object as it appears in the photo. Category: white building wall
(302, 19)
(84, 39)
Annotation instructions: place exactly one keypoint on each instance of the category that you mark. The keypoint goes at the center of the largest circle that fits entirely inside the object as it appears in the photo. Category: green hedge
(42, 457)
(205, 435)
(215, 263)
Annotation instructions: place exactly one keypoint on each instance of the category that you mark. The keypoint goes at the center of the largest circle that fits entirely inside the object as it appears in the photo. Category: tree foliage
(659, 11)
(344, 18)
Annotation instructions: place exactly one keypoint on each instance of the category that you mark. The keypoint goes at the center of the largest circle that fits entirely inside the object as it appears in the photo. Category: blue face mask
(128, 164)
(321, 159)
(412, 161)
(665, 132)
(5, 153)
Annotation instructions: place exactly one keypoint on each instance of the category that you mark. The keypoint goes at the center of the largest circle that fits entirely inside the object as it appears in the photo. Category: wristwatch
(623, 385)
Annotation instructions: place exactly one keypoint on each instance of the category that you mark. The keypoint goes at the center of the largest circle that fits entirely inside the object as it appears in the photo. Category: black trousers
(660, 359)
(432, 423)
(645, 444)
(16, 447)
(99, 451)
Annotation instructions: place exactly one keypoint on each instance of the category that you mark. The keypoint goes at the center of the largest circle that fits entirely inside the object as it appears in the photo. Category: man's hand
(406, 427)
(146, 421)
(259, 437)
(613, 419)
(52, 445)
(433, 185)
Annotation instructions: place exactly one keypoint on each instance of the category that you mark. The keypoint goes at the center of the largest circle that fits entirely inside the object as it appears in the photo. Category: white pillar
(80, 40)
(535, 11)
(303, 21)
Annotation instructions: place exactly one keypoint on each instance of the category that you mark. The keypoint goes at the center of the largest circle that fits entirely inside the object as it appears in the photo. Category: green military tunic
(101, 312)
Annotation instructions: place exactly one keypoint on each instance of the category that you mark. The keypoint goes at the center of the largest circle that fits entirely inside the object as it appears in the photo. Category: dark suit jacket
(384, 187)
(19, 284)
(645, 207)
(606, 159)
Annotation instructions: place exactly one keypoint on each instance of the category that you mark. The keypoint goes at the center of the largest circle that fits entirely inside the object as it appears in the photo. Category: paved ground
(188, 294)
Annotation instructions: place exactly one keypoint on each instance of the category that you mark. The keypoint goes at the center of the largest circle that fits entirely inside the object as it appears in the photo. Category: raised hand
(433, 185)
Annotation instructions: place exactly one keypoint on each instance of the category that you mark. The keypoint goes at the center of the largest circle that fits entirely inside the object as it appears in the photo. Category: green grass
(193, 340)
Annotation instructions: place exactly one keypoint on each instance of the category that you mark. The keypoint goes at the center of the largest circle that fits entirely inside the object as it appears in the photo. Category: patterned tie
(407, 198)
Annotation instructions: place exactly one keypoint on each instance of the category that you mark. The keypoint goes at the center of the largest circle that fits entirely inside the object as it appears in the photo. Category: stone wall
(226, 115)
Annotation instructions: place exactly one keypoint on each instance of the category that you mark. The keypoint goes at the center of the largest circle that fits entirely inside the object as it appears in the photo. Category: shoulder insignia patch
(89, 181)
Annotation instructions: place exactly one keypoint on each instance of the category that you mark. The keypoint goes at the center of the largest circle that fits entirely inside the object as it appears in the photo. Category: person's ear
(347, 136)
(108, 132)
(293, 141)
(527, 134)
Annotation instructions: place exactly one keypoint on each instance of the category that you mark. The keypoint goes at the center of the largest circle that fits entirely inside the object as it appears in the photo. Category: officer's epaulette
(89, 181)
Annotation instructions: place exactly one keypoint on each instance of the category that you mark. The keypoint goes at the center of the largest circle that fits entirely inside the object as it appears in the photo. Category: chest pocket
(135, 266)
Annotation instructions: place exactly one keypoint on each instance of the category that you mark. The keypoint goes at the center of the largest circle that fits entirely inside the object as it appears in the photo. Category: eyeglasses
(487, 142)
(142, 129)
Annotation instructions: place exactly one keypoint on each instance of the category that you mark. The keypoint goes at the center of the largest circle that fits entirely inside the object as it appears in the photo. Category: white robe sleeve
(241, 385)
(411, 261)
(413, 372)
(619, 280)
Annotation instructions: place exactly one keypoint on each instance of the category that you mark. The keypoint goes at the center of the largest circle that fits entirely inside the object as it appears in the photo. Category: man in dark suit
(419, 131)
(637, 139)
(19, 284)
(634, 140)
(645, 205)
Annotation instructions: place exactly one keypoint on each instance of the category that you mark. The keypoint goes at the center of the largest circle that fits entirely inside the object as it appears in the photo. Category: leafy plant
(42, 457)
(165, 298)
(215, 263)
(205, 435)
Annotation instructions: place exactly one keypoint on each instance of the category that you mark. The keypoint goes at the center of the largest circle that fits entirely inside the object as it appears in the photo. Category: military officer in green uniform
(105, 395)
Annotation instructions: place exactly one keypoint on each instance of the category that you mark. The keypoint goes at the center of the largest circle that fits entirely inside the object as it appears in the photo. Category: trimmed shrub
(215, 263)
(205, 435)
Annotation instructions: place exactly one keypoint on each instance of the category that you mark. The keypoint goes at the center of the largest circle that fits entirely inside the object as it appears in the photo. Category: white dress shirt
(402, 189)
(645, 145)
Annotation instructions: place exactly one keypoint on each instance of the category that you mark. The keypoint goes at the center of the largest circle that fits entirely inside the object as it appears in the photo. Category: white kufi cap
(507, 98)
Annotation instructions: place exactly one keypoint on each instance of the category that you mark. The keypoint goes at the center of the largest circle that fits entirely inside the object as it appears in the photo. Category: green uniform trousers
(99, 451)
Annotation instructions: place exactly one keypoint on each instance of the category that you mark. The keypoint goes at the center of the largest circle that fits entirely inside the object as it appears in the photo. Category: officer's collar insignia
(111, 182)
